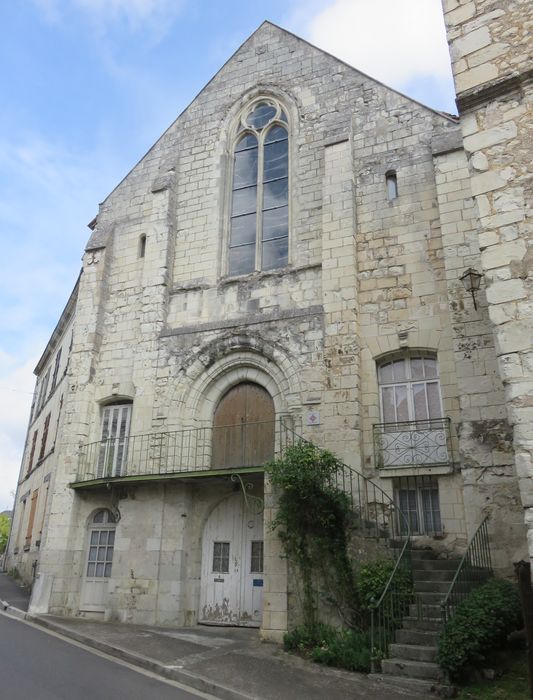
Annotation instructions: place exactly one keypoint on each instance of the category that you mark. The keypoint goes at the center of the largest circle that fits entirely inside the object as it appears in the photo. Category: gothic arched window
(259, 226)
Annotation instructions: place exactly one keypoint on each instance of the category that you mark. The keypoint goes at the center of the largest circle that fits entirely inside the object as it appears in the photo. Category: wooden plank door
(244, 427)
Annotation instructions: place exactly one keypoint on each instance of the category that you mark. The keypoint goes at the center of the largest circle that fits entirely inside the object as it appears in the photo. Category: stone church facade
(286, 259)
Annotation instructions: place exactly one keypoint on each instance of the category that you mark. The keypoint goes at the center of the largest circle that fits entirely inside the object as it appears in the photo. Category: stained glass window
(259, 232)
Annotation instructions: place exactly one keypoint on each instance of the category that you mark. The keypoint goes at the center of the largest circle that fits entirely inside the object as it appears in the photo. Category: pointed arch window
(259, 221)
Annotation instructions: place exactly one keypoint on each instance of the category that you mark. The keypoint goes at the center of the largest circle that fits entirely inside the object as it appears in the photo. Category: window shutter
(45, 435)
(32, 451)
(31, 519)
(56, 370)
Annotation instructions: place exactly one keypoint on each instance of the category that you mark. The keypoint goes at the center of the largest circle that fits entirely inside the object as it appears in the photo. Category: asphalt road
(41, 666)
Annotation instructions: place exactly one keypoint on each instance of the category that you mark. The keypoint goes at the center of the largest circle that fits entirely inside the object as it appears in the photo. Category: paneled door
(232, 566)
(244, 427)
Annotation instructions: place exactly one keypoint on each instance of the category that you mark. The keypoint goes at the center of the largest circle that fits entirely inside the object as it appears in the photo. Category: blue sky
(89, 85)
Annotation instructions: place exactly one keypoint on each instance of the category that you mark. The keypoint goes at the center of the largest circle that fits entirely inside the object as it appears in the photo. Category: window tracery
(259, 220)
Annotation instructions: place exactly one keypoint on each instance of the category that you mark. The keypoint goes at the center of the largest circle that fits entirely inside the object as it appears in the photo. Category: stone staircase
(411, 661)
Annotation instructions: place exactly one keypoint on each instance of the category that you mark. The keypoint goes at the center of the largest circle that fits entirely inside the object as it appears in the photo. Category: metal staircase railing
(378, 516)
(474, 569)
(392, 606)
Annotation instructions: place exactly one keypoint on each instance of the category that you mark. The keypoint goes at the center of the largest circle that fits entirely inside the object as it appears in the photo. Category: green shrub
(372, 578)
(480, 624)
(349, 649)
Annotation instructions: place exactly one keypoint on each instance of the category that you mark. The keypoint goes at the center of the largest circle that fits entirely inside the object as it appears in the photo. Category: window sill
(265, 274)
(409, 470)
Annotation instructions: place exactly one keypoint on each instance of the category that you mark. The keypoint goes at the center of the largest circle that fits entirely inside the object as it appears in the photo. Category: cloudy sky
(88, 85)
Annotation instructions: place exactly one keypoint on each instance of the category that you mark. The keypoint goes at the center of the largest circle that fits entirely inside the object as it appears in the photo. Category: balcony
(161, 456)
(413, 445)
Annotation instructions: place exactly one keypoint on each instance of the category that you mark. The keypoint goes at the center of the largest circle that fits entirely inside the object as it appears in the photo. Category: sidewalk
(12, 594)
(231, 663)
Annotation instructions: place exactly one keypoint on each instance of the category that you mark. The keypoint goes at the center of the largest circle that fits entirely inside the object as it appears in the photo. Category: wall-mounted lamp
(471, 280)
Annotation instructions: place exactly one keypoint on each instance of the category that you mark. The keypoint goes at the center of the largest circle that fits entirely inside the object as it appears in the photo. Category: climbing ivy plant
(314, 521)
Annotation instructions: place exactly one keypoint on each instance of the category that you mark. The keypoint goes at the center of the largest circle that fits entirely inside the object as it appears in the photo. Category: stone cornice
(248, 320)
(478, 96)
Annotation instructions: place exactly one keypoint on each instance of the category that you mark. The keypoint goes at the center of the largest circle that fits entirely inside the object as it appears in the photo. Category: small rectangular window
(256, 566)
(392, 185)
(220, 557)
(142, 246)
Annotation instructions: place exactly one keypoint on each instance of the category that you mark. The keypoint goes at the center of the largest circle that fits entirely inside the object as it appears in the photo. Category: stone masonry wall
(490, 45)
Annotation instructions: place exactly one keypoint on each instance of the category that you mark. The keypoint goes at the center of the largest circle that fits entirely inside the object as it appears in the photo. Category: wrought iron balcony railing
(193, 449)
(413, 444)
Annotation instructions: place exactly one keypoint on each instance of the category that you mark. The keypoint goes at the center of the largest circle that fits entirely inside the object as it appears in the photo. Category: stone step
(423, 554)
(428, 598)
(416, 686)
(433, 575)
(423, 611)
(425, 638)
(413, 652)
(417, 623)
(426, 670)
(433, 586)
(437, 564)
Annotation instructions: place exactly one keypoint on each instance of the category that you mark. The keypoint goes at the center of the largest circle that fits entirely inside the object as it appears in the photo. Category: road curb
(12, 611)
(188, 678)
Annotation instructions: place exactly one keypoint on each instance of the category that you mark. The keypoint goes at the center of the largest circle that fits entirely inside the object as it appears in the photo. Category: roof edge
(444, 115)
(64, 319)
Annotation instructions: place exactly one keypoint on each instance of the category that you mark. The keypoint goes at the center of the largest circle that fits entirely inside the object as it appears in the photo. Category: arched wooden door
(244, 427)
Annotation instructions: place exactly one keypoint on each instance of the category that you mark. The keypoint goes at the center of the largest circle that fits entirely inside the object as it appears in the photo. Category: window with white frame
(259, 219)
(115, 431)
(409, 389)
(418, 499)
(413, 431)
(101, 545)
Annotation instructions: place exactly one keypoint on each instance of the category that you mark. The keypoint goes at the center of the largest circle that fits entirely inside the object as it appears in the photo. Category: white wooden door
(232, 566)
(95, 584)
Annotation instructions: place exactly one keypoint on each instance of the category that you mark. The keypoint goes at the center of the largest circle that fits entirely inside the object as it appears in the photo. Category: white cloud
(145, 15)
(393, 41)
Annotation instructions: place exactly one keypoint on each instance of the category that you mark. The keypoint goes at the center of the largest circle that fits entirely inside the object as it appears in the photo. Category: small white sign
(312, 418)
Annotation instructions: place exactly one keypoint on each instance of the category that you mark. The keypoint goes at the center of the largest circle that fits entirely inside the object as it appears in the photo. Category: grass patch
(512, 684)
